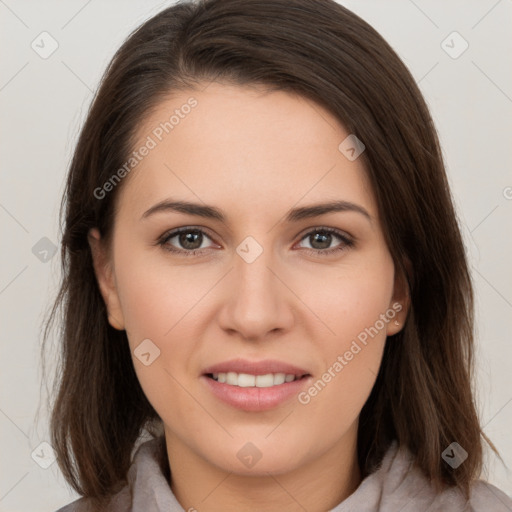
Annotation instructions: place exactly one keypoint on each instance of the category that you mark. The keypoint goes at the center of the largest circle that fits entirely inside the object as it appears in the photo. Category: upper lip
(256, 367)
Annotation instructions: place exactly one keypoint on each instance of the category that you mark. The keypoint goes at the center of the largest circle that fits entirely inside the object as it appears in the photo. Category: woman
(263, 271)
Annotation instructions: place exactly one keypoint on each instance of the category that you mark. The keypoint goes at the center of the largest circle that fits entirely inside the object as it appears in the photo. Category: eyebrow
(293, 215)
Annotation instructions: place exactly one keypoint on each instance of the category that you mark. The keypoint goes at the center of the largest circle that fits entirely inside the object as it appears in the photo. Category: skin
(253, 154)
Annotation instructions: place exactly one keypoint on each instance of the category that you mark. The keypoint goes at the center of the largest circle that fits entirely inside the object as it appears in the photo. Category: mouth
(255, 386)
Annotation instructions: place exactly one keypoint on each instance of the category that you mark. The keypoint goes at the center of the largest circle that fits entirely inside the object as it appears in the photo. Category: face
(257, 276)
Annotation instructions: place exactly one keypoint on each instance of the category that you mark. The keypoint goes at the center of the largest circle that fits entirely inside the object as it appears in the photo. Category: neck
(317, 486)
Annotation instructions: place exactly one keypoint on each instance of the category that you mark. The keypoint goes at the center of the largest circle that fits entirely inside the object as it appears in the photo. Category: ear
(106, 279)
(400, 302)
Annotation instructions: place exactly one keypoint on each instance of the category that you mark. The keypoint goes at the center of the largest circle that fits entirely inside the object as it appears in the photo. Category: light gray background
(43, 102)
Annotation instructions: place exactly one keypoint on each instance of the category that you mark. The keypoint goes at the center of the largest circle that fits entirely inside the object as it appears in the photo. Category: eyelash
(346, 241)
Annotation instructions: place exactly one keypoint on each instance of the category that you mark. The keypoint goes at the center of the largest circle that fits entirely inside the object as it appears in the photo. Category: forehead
(245, 148)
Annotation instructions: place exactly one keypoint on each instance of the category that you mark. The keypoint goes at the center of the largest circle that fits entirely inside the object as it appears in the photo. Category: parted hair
(423, 396)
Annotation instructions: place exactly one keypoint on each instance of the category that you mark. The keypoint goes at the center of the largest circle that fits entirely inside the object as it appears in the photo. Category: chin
(256, 458)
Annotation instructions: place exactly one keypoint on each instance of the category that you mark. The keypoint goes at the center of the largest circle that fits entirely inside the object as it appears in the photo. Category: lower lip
(253, 398)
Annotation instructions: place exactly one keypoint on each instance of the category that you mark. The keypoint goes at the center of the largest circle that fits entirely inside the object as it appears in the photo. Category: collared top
(396, 485)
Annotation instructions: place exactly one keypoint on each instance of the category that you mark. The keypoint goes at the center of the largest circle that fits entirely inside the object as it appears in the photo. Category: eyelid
(336, 231)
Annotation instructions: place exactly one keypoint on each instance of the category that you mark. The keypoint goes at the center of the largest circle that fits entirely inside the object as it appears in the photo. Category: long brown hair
(423, 393)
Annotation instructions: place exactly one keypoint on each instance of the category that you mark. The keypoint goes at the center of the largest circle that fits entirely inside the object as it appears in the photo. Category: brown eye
(186, 241)
(190, 239)
(321, 239)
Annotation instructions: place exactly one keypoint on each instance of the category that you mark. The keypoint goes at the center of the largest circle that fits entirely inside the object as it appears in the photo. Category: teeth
(246, 380)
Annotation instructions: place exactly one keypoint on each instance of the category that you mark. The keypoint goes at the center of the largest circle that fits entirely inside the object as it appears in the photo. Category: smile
(247, 395)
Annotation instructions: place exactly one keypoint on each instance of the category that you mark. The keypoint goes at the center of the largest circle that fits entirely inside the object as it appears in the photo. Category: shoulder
(143, 481)
(119, 502)
(485, 496)
(79, 505)
(398, 484)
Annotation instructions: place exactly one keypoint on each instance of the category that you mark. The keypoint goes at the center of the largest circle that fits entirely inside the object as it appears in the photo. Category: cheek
(160, 303)
(158, 298)
(333, 401)
(349, 298)
(355, 310)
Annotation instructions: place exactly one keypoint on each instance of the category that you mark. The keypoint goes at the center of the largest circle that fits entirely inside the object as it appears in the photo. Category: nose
(258, 302)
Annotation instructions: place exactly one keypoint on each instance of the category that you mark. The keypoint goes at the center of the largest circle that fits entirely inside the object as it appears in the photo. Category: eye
(320, 240)
(188, 239)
